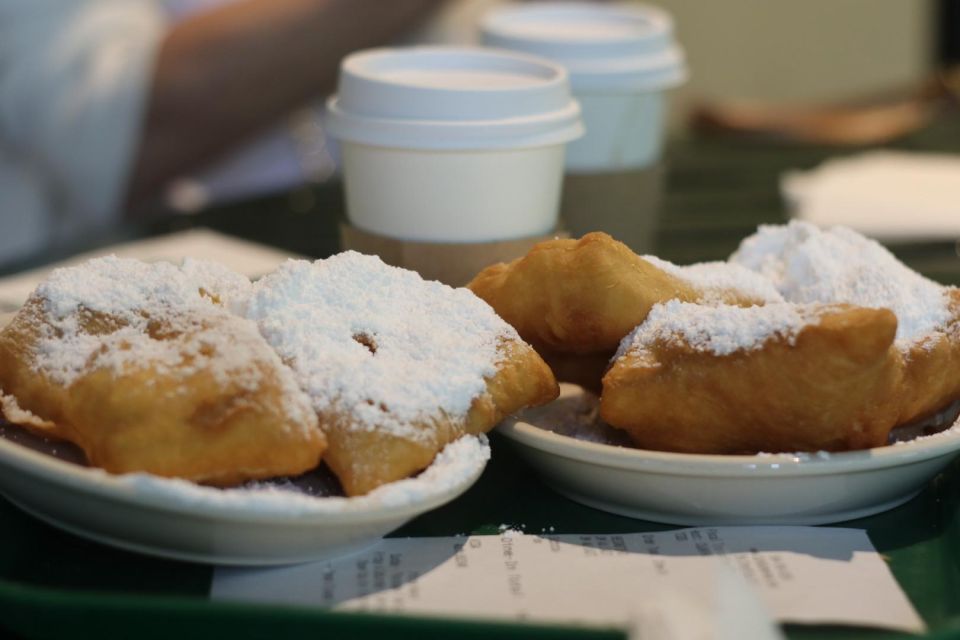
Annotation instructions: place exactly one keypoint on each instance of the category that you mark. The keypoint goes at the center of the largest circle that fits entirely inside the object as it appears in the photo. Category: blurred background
(773, 87)
(786, 52)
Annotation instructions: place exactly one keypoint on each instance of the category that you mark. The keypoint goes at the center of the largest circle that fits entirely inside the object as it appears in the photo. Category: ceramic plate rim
(518, 430)
(93, 481)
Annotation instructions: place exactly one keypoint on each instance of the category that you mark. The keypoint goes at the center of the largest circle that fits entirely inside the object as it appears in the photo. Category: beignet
(777, 378)
(141, 367)
(396, 367)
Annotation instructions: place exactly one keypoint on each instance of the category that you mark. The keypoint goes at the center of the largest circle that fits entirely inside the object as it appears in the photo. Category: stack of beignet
(806, 340)
(194, 372)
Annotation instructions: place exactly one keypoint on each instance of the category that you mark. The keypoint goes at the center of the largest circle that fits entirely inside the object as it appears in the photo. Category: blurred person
(103, 103)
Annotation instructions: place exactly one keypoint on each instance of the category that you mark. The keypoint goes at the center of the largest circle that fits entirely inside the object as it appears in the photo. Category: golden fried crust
(365, 459)
(522, 380)
(577, 296)
(583, 369)
(931, 368)
(32, 390)
(183, 423)
(194, 427)
(836, 388)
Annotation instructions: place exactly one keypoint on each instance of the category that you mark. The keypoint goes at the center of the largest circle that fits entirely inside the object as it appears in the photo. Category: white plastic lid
(604, 47)
(452, 98)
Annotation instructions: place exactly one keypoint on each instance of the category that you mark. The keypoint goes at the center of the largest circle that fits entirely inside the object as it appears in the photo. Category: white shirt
(74, 76)
(74, 83)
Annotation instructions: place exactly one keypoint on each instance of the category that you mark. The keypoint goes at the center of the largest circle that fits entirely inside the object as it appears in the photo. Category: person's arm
(224, 75)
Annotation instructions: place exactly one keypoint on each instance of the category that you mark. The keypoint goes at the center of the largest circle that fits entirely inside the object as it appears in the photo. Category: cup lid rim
(547, 129)
(364, 64)
(648, 58)
(435, 97)
(506, 19)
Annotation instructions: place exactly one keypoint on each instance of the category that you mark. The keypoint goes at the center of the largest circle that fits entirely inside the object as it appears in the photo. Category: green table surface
(56, 585)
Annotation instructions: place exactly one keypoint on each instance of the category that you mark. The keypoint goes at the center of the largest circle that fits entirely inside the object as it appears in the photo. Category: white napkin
(888, 195)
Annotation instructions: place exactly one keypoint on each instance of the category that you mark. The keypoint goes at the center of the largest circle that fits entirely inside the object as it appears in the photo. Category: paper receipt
(673, 579)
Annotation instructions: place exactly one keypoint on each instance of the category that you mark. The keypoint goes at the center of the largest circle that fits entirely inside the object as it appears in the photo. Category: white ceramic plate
(251, 526)
(694, 489)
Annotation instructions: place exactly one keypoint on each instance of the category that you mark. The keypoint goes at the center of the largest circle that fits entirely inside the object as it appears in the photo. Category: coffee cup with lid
(455, 152)
(622, 60)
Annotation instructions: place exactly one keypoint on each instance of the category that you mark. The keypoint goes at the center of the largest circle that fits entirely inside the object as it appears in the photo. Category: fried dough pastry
(577, 296)
(583, 369)
(138, 366)
(931, 366)
(396, 367)
(807, 264)
(778, 378)
(584, 296)
(575, 300)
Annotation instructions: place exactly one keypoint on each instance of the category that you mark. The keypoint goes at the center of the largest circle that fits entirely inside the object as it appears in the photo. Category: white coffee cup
(622, 59)
(444, 144)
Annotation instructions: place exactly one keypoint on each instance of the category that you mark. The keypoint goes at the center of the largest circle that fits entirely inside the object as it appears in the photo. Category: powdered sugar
(117, 287)
(947, 434)
(225, 286)
(721, 330)
(715, 279)
(576, 414)
(796, 456)
(807, 264)
(119, 315)
(378, 342)
(459, 463)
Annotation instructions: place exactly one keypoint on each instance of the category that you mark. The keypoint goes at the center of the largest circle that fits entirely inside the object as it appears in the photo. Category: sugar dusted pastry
(575, 300)
(577, 296)
(721, 282)
(807, 264)
(396, 367)
(780, 377)
(218, 283)
(584, 296)
(140, 366)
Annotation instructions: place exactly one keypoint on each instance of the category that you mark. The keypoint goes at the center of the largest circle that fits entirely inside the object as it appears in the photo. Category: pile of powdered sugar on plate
(457, 464)
(808, 264)
(794, 456)
(950, 432)
(575, 414)
(377, 342)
